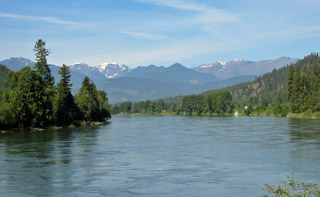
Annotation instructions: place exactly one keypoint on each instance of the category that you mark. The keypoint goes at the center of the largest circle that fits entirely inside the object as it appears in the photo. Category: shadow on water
(39, 162)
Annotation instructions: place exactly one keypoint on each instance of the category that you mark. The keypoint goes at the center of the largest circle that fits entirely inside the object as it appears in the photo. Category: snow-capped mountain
(240, 67)
(210, 68)
(113, 70)
(92, 72)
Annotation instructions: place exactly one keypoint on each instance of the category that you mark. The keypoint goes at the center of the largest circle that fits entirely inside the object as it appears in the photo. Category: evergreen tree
(84, 100)
(42, 67)
(93, 104)
(104, 107)
(64, 108)
(290, 90)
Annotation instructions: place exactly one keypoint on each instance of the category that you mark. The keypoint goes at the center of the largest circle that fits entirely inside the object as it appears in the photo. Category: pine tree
(42, 67)
(290, 90)
(64, 107)
(87, 100)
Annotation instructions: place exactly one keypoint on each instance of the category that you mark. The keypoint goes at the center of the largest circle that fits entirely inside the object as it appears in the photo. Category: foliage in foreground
(293, 188)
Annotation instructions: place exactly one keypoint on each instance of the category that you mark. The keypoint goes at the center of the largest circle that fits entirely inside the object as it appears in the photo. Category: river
(160, 156)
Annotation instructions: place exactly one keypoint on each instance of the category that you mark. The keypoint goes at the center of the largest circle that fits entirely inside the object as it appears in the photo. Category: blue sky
(160, 32)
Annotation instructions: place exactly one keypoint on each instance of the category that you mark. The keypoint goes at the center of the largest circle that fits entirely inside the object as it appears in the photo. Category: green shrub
(292, 188)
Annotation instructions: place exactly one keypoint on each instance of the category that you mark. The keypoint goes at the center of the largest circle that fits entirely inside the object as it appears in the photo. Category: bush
(292, 187)
(317, 115)
(307, 113)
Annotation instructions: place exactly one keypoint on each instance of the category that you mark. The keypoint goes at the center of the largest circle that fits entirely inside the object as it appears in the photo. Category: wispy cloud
(295, 33)
(54, 20)
(204, 14)
(145, 36)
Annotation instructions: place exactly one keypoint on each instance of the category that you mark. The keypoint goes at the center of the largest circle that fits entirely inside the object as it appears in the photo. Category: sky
(159, 32)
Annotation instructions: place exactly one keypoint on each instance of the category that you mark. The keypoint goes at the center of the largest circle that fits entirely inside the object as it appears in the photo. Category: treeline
(270, 87)
(31, 98)
(215, 103)
(304, 88)
(291, 90)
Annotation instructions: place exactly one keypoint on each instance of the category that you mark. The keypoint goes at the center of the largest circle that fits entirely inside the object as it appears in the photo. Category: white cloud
(40, 18)
(145, 36)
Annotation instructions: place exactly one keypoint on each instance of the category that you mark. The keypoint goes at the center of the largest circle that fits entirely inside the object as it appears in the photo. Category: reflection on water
(302, 130)
(39, 163)
(160, 156)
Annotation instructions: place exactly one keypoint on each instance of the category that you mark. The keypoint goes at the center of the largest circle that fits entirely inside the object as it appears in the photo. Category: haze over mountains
(152, 82)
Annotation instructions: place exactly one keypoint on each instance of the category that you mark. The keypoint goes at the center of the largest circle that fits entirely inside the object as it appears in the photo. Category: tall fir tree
(290, 88)
(65, 111)
(42, 67)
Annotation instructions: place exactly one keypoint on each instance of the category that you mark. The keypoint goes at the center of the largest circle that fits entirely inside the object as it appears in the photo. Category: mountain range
(153, 82)
(240, 67)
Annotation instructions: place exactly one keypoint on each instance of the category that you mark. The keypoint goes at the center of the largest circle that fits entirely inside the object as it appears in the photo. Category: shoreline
(313, 116)
(54, 127)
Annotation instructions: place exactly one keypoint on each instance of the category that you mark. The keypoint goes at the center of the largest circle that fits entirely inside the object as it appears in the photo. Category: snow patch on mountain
(238, 60)
(113, 70)
(222, 63)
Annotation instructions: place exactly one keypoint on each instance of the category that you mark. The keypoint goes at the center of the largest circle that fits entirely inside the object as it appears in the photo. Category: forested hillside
(304, 86)
(3, 73)
(291, 89)
(271, 87)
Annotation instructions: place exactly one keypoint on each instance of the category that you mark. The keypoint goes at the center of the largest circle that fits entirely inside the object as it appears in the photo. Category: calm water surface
(160, 156)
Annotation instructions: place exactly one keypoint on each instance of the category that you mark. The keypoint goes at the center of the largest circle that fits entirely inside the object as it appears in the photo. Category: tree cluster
(143, 107)
(31, 98)
(215, 103)
(303, 87)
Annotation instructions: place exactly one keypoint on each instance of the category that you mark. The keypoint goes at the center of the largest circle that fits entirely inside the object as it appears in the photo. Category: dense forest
(304, 88)
(292, 89)
(3, 73)
(31, 99)
(215, 103)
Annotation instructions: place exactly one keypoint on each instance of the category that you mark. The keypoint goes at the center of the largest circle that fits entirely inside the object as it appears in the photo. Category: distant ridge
(240, 67)
(153, 82)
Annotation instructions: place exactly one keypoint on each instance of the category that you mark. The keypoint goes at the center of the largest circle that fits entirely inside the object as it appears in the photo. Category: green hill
(270, 87)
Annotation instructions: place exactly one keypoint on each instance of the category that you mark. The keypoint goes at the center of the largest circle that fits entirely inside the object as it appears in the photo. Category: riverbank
(81, 124)
(305, 115)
